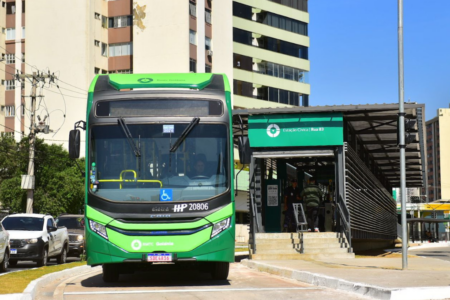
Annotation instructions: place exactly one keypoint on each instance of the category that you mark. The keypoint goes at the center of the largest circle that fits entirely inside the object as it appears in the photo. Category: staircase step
(277, 241)
(300, 256)
(277, 251)
(282, 235)
(277, 246)
(324, 251)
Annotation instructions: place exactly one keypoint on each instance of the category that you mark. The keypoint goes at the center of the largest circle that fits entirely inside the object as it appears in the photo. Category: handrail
(345, 220)
(121, 180)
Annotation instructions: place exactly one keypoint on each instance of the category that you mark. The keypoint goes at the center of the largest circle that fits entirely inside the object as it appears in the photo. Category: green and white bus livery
(159, 161)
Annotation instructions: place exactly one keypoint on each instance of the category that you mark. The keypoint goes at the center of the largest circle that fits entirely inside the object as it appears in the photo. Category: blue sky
(354, 53)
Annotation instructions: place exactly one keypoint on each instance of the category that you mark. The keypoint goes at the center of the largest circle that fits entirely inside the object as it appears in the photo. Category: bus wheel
(110, 273)
(220, 270)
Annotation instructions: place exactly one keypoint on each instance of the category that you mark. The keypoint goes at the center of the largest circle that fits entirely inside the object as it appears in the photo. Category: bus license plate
(13, 251)
(159, 257)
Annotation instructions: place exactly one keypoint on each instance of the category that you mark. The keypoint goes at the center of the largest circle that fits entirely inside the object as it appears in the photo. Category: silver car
(4, 249)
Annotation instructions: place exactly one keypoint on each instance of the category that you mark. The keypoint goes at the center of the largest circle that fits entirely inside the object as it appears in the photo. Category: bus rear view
(159, 163)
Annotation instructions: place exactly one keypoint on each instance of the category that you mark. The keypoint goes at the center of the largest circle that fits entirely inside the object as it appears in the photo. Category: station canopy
(375, 127)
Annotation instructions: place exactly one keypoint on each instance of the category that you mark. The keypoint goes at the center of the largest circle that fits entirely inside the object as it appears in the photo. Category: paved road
(242, 283)
(441, 252)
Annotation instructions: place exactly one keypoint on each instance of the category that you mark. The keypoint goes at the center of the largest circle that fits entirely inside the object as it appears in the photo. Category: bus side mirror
(245, 152)
(74, 144)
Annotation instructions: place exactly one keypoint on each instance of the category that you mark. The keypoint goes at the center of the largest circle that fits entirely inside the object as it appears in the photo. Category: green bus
(159, 167)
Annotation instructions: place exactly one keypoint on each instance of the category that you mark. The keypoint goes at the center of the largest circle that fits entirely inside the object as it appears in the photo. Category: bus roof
(198, 81)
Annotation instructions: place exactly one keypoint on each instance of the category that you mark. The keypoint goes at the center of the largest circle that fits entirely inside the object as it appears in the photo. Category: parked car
(35, 237)
(75, 227)
(4, 249)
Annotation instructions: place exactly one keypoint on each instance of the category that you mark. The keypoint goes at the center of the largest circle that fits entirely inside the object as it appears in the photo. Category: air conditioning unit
(210, 53)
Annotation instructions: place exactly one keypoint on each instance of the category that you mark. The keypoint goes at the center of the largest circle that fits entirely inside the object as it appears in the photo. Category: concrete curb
(30, 291)
(372, 291)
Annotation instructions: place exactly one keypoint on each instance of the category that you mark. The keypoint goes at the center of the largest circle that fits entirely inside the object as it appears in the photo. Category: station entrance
(349, 151)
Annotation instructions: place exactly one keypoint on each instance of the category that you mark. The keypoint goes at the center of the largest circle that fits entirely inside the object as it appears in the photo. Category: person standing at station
(291, 196)
(312, 196)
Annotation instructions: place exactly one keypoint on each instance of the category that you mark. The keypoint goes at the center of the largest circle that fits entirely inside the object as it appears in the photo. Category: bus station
(352, 152)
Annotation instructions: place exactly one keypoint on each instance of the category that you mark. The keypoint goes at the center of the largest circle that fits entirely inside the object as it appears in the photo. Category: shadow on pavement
(172, 278)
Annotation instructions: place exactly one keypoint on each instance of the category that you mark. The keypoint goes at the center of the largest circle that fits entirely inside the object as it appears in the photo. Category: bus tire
(220, 270)
(110, 273)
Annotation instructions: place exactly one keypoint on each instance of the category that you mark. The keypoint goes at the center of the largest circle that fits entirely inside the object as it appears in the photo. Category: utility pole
(28, 180)
(401, 125)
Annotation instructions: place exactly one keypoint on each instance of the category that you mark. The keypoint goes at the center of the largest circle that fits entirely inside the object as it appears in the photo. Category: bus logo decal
(273, 130)
(136, 245)
(145, 80)
(179, 207)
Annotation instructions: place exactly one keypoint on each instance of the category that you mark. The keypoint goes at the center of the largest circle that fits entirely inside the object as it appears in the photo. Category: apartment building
(438, 155)
(270, 53)
(262, 46)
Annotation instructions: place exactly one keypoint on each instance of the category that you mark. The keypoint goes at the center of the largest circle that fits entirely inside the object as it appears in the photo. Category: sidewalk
(377, 277)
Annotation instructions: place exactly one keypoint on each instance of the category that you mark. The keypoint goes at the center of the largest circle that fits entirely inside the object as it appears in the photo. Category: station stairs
(287, 246)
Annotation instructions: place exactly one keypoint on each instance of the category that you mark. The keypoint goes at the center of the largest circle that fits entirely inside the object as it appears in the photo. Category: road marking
(192, 290)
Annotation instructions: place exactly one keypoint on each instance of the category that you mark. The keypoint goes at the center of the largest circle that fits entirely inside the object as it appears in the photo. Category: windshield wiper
(184, 134)
(136, 150)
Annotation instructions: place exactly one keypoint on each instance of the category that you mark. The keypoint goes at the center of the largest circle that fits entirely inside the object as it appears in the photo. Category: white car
(4, 249)
(35, 237)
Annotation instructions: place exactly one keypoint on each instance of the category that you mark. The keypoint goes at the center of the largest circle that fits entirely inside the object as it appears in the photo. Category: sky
(354, 52)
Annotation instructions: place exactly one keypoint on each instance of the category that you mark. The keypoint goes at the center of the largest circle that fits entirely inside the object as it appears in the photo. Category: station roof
(375, 127)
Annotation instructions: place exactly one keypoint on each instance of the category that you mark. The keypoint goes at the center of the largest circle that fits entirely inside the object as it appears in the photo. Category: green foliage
(59, 187)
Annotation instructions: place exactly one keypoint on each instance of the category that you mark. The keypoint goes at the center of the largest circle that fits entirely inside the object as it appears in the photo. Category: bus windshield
(149, 171)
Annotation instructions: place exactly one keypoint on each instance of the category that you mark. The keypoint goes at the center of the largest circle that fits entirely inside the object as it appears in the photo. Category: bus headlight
(220, 226)
(98, 229)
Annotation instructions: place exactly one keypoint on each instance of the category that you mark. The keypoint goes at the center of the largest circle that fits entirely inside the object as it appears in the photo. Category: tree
(59, 186)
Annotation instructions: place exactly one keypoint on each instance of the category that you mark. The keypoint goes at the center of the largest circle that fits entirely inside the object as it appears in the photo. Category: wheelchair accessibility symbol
(165, 195)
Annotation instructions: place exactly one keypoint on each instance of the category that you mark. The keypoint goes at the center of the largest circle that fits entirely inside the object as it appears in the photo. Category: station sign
(294, 130)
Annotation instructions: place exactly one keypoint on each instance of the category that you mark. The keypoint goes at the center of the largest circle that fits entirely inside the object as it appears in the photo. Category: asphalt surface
(441, 252)
(242, 283)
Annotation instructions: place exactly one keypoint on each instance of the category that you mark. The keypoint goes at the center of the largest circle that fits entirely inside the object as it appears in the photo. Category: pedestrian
(291, 196)
(312, 197)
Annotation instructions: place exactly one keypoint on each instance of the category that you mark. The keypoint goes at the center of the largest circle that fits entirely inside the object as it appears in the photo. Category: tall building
(262, 46)
(438, 155)
(270, 53)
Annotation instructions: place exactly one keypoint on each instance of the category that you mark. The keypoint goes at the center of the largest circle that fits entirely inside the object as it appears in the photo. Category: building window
(119, 22)
(192, 37)
(10, 33)
(97, 16)
(96, 70)
(97, 43)
(207, 69)
(23, 57)
(208, 16)
(121, 49)
(297, 4)
(10, 85)
(270, 19)
(23, 109)
(10, 8)
(104, 22)
(10, 111)
(104, 49)
(192, 65)
(207, 43)
(10, 58)
(271, 44)
(128, 71)
(192, 9)
(23, 32)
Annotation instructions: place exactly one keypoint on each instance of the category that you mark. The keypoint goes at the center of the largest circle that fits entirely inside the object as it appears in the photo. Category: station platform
(375, 277)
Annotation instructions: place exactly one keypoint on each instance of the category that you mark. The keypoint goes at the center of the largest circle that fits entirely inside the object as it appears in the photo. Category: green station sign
(293, 130)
